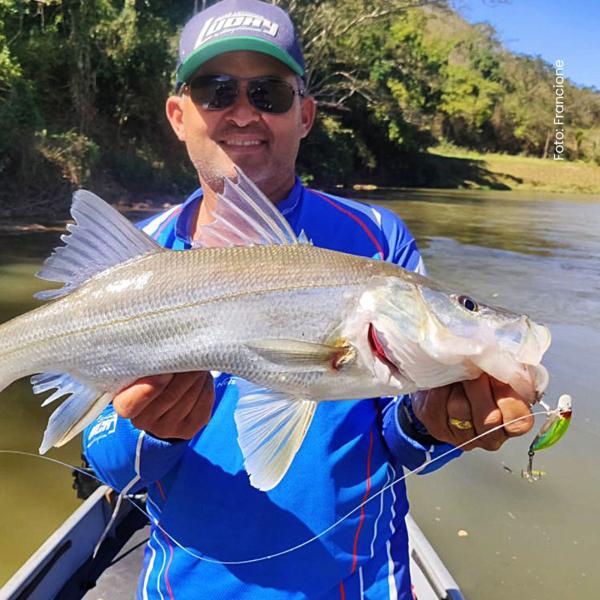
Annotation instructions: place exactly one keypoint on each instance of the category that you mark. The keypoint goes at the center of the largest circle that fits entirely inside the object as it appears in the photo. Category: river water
(538, 254)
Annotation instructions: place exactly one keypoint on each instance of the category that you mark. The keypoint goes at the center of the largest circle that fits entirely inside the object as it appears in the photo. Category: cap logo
(233, 21)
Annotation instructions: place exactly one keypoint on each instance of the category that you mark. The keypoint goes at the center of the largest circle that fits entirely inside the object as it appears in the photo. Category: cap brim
(231, 44)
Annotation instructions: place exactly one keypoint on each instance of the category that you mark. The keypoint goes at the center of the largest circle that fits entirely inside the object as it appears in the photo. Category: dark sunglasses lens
(271, 95)
(213, 93)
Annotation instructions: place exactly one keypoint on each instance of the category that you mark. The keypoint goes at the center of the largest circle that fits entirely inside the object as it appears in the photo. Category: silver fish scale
(194, 310)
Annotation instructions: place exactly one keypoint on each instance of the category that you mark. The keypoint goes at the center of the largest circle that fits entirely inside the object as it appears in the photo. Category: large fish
(303, 323)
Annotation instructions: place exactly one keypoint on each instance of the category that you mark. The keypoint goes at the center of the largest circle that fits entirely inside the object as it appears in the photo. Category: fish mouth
(536, 341)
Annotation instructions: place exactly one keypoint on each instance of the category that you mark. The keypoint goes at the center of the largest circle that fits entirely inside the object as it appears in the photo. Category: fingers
(512, 406)
(484, 403)
(168, 406)
(132, 400)
(183, 408)
(201, 410)
(174, 398)
(431, 409)
(459, 412)
(486, 414)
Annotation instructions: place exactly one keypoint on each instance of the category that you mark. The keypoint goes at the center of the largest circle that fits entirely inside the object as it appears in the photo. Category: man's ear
(174, 110)
(308, 112)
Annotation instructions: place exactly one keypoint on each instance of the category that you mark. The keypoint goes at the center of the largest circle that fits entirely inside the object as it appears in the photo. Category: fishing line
(305, 542)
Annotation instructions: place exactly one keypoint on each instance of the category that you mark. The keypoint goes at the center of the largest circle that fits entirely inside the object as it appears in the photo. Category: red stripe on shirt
(354, 218)
(167, 582)
(160, 489)
(342, 591)
(362, 508)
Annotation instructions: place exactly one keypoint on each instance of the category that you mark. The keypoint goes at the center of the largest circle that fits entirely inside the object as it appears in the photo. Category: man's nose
(242, 112)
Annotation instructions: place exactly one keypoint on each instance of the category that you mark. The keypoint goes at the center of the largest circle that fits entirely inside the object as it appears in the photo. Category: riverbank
(445, 167)
(463, 169)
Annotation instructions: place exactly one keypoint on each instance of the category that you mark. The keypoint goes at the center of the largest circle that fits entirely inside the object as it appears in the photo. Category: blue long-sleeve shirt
(199, 492)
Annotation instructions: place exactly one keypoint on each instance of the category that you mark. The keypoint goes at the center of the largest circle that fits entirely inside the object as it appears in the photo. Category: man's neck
(209, 202)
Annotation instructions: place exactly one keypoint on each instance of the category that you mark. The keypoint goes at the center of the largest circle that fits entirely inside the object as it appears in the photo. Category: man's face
(263, 145)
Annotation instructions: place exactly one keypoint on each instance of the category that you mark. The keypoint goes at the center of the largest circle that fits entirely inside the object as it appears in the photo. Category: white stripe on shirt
(391, 571)
(381, 495)
(151, 227)
(160, 572)
(149, 569)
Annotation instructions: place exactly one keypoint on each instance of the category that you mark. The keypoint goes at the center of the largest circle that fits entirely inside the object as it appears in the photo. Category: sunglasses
(267, 94)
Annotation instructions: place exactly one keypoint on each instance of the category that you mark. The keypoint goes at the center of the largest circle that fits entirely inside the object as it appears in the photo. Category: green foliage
(73, 153)
(83, 84)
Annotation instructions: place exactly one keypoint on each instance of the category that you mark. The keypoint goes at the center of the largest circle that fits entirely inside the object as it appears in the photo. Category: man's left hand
(458, 412)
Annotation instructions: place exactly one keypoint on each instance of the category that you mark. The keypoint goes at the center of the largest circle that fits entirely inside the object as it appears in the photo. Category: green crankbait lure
(552, 430)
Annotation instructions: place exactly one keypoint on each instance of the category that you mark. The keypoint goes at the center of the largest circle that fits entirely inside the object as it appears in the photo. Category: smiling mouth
(242, 143)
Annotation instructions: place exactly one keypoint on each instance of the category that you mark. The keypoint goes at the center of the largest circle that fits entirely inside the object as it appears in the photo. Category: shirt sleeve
(127, 458)
(405, 436)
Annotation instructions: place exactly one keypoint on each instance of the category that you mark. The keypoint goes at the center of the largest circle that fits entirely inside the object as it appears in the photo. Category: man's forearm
(127, 458)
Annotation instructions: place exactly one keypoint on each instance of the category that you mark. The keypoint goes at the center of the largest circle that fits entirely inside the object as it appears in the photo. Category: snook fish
(303, 323)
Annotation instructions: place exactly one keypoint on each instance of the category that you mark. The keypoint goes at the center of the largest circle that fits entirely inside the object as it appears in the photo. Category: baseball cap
(232, 25)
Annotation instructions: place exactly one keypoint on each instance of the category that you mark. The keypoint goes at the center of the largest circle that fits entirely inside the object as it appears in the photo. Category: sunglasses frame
(300, 92)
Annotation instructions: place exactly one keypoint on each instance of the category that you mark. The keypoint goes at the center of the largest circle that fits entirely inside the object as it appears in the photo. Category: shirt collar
(288, 207)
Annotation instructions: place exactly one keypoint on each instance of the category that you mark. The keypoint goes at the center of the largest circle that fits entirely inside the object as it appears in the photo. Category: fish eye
(468, 303)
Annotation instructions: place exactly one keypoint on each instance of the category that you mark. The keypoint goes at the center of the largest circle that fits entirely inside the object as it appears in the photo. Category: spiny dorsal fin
(99, 239)
(244, 216)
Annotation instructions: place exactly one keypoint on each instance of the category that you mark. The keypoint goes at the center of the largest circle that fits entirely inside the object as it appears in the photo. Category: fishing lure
(553, 429)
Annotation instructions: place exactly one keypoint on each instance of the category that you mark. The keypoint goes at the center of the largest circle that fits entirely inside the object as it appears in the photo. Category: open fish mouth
(535, 343)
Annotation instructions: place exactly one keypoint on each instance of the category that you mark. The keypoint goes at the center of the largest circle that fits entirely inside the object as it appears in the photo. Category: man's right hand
(168, 406)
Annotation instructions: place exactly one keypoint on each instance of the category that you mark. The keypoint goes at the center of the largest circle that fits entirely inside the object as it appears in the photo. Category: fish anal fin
(271, 428)
(75, 413)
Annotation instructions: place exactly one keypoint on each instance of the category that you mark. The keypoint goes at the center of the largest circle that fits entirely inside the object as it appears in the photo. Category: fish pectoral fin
(304, 354)
(100, 238)
(82, 406)
(271, 428)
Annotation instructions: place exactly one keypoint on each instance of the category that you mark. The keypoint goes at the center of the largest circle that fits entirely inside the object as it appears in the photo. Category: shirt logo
(103, 427)
(235, 20)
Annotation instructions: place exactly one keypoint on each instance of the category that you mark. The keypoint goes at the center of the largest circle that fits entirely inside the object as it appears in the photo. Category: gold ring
(460, 424)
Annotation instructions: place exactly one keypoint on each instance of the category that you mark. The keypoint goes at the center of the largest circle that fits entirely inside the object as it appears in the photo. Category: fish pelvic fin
(100, 238)
(271, 428)
(75, 413)
(244, 216)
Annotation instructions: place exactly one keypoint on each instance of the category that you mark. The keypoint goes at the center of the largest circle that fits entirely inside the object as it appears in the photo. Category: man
(240, 101)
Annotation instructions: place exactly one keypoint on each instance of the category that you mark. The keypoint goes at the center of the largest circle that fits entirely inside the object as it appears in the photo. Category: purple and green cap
(232, 25)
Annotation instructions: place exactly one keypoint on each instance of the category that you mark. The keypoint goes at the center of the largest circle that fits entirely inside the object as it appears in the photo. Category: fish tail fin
(82, 407)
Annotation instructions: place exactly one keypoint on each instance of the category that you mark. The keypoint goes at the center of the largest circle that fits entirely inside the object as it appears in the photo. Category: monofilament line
(306, 542)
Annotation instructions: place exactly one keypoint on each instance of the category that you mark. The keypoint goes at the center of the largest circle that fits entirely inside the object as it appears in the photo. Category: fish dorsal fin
(244, 216)
(100, 238)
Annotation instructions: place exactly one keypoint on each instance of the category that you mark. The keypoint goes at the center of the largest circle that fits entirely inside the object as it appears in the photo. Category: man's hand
(485, 403)
(168, 406)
